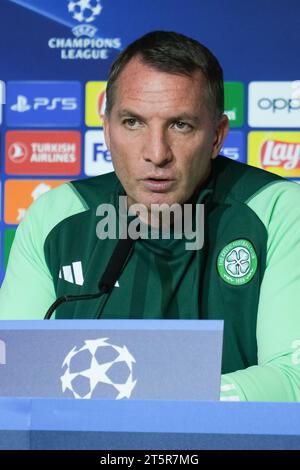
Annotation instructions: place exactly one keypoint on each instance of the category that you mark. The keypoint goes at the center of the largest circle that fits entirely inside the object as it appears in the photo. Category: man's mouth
(158, 184)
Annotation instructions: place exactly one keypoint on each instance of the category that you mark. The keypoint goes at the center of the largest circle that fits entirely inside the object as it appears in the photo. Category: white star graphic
(97, 373)
(93, 344)
(66, 380)
(124, 355)
(69, 356)
(125, 390)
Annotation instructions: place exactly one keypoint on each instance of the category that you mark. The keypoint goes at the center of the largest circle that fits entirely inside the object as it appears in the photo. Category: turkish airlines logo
(280, 154)
(43, 152)
(17, 152)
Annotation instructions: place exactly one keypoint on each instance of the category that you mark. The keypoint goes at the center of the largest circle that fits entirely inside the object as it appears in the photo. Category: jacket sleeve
(276, 377)
(27, 290)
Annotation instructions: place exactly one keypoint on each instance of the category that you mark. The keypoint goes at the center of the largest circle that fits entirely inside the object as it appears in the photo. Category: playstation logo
(2, 352)
(21, 105)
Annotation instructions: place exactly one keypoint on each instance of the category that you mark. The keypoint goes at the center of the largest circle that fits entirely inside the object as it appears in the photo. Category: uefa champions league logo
(88, 44)
(98, 369)
(85, 12)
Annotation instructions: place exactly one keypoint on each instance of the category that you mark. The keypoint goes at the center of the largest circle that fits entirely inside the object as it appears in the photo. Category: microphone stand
(111, 274)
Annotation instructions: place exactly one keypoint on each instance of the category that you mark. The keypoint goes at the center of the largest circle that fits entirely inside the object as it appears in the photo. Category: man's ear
(105, 119)
(220, 135)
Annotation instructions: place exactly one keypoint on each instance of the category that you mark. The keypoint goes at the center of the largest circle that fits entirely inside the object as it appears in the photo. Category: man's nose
(157, 147)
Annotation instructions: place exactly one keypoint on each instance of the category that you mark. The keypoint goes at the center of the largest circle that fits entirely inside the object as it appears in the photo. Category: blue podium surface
(132, 424)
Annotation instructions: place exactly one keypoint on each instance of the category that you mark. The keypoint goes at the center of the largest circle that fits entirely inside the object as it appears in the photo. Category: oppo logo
(2, 352)
(279, 104)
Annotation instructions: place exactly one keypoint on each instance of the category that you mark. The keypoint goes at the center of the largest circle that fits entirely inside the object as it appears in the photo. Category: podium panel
(111, 425)
(111, 359)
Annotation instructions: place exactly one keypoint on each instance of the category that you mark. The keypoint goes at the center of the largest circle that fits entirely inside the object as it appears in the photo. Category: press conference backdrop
(54, 60)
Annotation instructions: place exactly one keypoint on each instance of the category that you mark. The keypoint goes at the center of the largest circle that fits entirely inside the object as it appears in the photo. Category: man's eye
(182, 126)
(131, 123)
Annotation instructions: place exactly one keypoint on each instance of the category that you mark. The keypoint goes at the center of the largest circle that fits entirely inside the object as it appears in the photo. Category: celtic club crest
(237, 262)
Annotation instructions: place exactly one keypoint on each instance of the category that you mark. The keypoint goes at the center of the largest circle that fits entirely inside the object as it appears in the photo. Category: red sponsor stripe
(43, 152)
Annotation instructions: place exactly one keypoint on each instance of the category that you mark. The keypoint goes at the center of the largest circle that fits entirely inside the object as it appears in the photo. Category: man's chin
(160, 199)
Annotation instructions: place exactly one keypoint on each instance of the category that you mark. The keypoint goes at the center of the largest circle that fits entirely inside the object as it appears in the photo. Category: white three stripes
(72, 273)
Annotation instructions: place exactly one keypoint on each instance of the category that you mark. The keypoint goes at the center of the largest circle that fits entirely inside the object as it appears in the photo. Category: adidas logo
(72, 273)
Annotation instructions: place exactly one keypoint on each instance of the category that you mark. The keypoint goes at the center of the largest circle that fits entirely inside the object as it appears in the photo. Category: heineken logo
(237, 262)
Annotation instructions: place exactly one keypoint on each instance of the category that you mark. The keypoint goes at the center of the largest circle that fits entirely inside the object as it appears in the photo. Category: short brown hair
(172, 53)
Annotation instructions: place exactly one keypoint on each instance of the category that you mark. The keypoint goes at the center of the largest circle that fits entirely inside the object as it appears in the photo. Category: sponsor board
(42, 152)
(19, 195)
(234, 103)
(95, 101)
(43, 104)
(274, 104)
(97, 159)
(278, 152)
(233, 146)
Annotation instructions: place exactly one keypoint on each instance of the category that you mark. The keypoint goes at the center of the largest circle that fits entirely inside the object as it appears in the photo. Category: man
(164, 126)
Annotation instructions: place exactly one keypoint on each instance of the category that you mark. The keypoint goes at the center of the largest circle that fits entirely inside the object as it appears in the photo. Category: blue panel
(234, 147)
(43, 104)
(181, 325)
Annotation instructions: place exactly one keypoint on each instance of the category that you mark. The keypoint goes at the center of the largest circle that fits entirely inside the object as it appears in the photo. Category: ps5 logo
(2, 352)
(39, 103)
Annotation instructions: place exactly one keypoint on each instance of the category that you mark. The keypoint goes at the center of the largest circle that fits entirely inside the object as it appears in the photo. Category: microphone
(110, 276)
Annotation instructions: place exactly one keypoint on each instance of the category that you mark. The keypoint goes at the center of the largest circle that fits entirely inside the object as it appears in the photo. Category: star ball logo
(99, 369)
(84, 11)
(87, 44)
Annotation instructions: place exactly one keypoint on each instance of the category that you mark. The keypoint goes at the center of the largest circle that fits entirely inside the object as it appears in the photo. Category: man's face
(161, 134)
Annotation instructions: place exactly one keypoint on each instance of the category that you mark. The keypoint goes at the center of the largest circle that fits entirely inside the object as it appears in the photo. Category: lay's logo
(278, 152)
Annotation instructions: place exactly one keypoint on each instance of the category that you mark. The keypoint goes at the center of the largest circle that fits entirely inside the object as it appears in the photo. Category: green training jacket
(247, 272)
